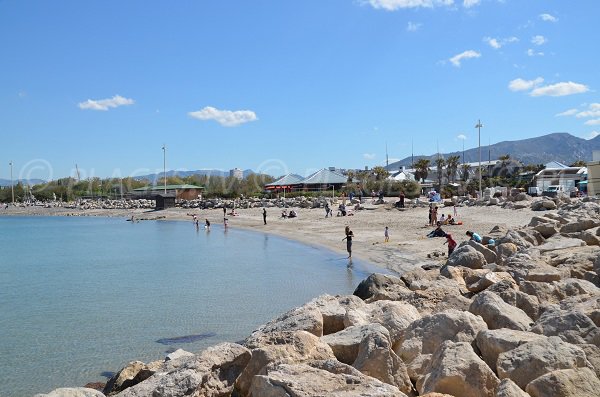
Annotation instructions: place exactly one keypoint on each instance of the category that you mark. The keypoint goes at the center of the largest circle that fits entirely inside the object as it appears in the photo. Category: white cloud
(499, 43)
(369, 156)
(538, 40)
(524, 85)
(462, 137)
(592, 122)
(456, 60)
(593, 111)
(548, 18)
(560, 89)
(570, 112)
(532, 53)
(470, 3)
(593, 134)
(226, 118)
(392, 5)
(413, 26)
(105, 104)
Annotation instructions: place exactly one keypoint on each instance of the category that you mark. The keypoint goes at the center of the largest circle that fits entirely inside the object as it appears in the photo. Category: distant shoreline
(408, 247)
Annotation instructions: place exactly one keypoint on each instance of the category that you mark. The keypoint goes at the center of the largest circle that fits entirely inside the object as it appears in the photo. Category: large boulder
(508, 388)
(368, 348)
(536, 358)
(130, 375)
(499, 314)
(285, 380)
(559, 290)
(211, 373)
(284, 346)
(334, 308)
(394, 316)
(466, 256)
(506, 250)
(579, 225)
(424, 336)
(381, 287)
(510, 294)
(304, 318)
(489, 255)
(72, 392)
(493, 342)
(455, 369)
(579, 382)
(570, 326)
(559, 242)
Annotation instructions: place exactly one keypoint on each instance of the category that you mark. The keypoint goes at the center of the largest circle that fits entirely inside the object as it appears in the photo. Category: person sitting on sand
(233, 213)
(474, 236)
(443, 219)
(284, 214)
(437, 232)
(292, 214)
(450, 220)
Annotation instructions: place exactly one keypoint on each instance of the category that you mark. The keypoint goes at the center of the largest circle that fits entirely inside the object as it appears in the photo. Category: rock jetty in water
(517, 318)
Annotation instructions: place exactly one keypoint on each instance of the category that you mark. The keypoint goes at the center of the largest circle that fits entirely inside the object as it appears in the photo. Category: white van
(534, 191)
(553, 190)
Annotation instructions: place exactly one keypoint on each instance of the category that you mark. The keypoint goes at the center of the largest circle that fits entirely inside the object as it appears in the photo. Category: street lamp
(478, 126)
(12, 185)
(164, 148)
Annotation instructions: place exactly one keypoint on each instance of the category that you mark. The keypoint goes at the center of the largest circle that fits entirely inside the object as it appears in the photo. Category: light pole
(12, 185)
(164, 148)
(478, 126)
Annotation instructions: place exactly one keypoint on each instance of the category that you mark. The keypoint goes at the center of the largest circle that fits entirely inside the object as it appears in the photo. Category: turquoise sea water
(83, 296)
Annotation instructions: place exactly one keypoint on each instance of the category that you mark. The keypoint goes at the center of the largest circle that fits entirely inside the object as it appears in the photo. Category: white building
(559, 174)
(236, 173)
(593, 182)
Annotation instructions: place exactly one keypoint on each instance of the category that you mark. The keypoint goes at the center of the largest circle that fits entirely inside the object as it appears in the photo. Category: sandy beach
(408, 245)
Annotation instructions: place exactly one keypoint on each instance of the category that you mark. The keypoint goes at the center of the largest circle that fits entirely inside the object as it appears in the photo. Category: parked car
(534, 191)
(553, 190)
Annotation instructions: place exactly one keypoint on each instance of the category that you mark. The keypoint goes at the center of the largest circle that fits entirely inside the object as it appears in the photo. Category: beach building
(285, 183)
(179, 192)
(402, 175)
(236, 173)
(593, 180)
(556, 173)
(324, 179)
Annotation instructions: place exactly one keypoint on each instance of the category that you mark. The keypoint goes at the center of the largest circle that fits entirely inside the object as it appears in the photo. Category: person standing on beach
(401, 199)
(386, 234)
(265, 215)
(224, 211)
(207, 224)
(348, 238)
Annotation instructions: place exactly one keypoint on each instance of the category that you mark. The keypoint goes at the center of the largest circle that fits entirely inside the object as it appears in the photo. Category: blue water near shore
(83, 296)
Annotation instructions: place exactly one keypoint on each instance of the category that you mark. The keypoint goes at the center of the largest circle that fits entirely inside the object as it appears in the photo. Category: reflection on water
(80, 296)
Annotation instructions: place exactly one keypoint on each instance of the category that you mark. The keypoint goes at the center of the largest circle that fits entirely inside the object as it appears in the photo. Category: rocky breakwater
(519, 318)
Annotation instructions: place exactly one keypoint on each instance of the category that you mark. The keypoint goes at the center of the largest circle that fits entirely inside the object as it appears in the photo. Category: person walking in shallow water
(265, 215)
(348, 238)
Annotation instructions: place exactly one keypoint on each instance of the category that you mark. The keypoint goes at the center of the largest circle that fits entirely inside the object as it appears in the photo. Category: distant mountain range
(560, 146)
(6, 182)
(183, 174)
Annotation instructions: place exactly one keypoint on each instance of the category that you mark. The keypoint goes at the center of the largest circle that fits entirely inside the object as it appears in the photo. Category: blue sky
(285, 86)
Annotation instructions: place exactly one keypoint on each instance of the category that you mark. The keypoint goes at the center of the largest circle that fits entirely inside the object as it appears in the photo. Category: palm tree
(380, 173)
(452, 166)
(465, 171)
(422, 169)
(440, 162)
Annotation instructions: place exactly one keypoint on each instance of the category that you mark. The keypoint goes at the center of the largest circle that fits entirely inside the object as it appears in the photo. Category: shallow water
(80, 297)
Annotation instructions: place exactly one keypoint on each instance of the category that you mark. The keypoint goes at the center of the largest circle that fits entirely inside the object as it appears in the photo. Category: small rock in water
(185, 338)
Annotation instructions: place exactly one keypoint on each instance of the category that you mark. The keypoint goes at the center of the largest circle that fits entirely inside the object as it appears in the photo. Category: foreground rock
(284, 380)
(72, 392)
(580, 382)
(212, 373)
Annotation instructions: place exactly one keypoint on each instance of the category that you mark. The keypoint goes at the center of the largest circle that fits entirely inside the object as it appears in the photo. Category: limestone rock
(284, 346)
(536, 358)
(546, 274)
(592, 353)
(571, 326)
(580, 225)
(334, 308)
(456, 302)
(381, 287)
(558, 242)
(489, 255)
(513, 237)
(177, 354)
(499, 314)
(72, 392)
(394, 316)
(558, 291)
(304, 318)
(466, 256)
(493, 342)
(506, 250)
(284, 380)
(424, 336)
(510, 294)
(579, 382)
(489, 279)
(508, 388)
(211, 373)
(456, 369)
